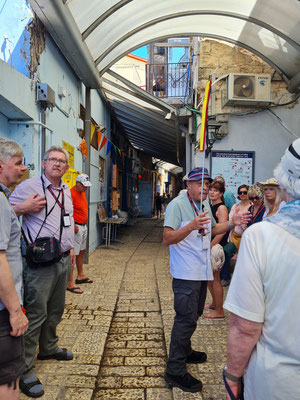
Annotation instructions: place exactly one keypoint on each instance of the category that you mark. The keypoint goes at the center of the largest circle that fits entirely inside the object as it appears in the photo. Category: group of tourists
(263, 357)
(54, 231)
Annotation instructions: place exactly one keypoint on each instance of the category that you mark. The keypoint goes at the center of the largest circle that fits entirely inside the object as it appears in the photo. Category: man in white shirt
(263, 298)
(187, 230)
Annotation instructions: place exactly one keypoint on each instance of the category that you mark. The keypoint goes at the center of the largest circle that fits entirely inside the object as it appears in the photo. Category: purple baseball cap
(196, 175)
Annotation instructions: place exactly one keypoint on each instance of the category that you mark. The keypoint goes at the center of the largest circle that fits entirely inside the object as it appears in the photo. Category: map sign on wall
(236, 167)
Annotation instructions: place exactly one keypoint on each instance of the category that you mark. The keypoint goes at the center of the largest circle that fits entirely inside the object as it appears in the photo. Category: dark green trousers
(44, 301)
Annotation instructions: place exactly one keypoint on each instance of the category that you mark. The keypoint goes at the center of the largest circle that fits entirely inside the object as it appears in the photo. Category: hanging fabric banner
(99, 138)
(92, 131)
(104, 140)
(83, 148)
(204, 116)
(108, 148)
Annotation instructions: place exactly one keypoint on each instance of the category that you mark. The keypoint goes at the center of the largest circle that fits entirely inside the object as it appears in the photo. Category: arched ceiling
(94, 34)
(109, 29)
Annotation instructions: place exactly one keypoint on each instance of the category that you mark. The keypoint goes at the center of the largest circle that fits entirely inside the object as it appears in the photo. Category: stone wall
(220, 58)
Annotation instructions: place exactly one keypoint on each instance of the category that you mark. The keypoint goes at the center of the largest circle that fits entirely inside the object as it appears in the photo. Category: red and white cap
(84, 180)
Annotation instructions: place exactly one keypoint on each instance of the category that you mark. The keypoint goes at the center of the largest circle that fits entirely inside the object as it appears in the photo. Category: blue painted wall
(145, 198)
(57, 73)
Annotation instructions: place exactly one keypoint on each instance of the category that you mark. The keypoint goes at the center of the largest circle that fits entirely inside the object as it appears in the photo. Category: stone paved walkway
(119, 329)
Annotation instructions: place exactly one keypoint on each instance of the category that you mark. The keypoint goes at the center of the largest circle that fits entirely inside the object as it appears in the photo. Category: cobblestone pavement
(119, 328)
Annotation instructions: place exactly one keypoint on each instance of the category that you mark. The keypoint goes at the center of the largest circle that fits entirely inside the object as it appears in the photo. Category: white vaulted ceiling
(94, 34)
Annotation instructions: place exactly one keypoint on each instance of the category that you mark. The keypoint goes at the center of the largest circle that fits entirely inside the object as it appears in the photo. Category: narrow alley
(119, 328)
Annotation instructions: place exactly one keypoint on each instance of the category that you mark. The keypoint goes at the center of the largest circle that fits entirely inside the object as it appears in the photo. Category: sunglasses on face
(242, 192)
(254, 198)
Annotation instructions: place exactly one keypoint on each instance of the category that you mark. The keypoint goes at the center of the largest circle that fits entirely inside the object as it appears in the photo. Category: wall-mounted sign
(236, 167)
(70, 150)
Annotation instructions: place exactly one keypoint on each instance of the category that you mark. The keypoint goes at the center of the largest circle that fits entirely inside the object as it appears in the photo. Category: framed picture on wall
(236, 167)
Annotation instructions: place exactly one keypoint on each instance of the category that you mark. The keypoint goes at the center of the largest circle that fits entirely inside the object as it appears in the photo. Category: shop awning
(142, 117)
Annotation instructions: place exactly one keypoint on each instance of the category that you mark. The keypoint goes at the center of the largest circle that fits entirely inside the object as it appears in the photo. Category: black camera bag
(44, 252)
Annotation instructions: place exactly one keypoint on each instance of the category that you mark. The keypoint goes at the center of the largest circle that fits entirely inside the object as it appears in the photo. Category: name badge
(205, 242)
(66, 220)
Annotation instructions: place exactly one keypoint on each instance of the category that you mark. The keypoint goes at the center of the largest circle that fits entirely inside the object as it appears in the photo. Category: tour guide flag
(204, 116)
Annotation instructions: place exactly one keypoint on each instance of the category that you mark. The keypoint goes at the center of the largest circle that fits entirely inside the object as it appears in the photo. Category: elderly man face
(194, 189)
(11, 172)
(56, 165)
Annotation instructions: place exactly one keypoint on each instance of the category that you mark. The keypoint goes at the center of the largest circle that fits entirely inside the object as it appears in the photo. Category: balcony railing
(170, 80)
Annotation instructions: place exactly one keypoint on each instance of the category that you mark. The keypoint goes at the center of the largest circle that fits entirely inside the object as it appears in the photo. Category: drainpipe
(87, 169)
(43, 138)
(16, 122)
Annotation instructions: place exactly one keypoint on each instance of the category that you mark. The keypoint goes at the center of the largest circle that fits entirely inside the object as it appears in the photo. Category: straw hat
(270, 182)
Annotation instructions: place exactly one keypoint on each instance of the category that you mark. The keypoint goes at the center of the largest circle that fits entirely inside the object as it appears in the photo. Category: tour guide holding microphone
(187, 232)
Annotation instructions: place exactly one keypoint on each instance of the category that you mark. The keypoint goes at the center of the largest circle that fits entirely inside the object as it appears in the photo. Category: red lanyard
(200, 231)
(61, 204)
(193, 204)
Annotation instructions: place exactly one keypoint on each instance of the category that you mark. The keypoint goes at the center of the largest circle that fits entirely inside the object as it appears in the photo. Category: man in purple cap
(187, 232)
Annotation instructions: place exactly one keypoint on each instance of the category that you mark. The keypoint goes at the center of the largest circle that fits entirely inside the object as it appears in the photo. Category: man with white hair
(263, 299)
(13, 322)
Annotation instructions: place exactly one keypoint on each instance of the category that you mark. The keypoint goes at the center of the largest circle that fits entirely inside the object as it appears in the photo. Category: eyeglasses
(242, 192)
(254, 198)
(54, 160)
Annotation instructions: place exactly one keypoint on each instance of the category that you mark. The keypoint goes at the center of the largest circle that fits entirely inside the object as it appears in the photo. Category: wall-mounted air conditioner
(248, 89)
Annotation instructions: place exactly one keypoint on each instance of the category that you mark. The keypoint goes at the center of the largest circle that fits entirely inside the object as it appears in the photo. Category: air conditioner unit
(248, 89)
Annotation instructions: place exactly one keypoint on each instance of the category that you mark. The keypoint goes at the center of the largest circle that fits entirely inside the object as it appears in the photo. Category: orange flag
(104, 140)
(83, 148)
(99, 138)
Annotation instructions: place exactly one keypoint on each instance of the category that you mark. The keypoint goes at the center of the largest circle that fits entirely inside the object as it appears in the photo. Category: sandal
(75, 290)
(85, 280)
(25, 388)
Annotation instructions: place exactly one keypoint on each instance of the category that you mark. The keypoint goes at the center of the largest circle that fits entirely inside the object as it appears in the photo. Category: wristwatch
(229, 376)
(229, 224)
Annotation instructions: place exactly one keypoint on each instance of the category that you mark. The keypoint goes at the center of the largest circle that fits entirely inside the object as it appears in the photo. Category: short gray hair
(287, 181)
(219, 178)
(56, 148)
(9, 149)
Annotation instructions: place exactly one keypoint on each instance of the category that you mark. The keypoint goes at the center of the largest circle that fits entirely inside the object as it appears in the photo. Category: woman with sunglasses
(257, 208)
(236, 234)
(272, 197)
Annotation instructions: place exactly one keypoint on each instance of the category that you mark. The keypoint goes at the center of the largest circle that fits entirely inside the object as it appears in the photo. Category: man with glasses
(45, 286)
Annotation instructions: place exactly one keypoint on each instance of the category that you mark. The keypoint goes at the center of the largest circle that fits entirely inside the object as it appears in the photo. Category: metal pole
(187, 153)
(43, 138)
(87, 135)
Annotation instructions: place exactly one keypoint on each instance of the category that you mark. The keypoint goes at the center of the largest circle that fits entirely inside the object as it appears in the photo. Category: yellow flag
(204, 116)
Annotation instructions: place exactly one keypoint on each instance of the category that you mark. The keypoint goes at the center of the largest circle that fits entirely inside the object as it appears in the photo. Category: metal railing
(169, 80)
